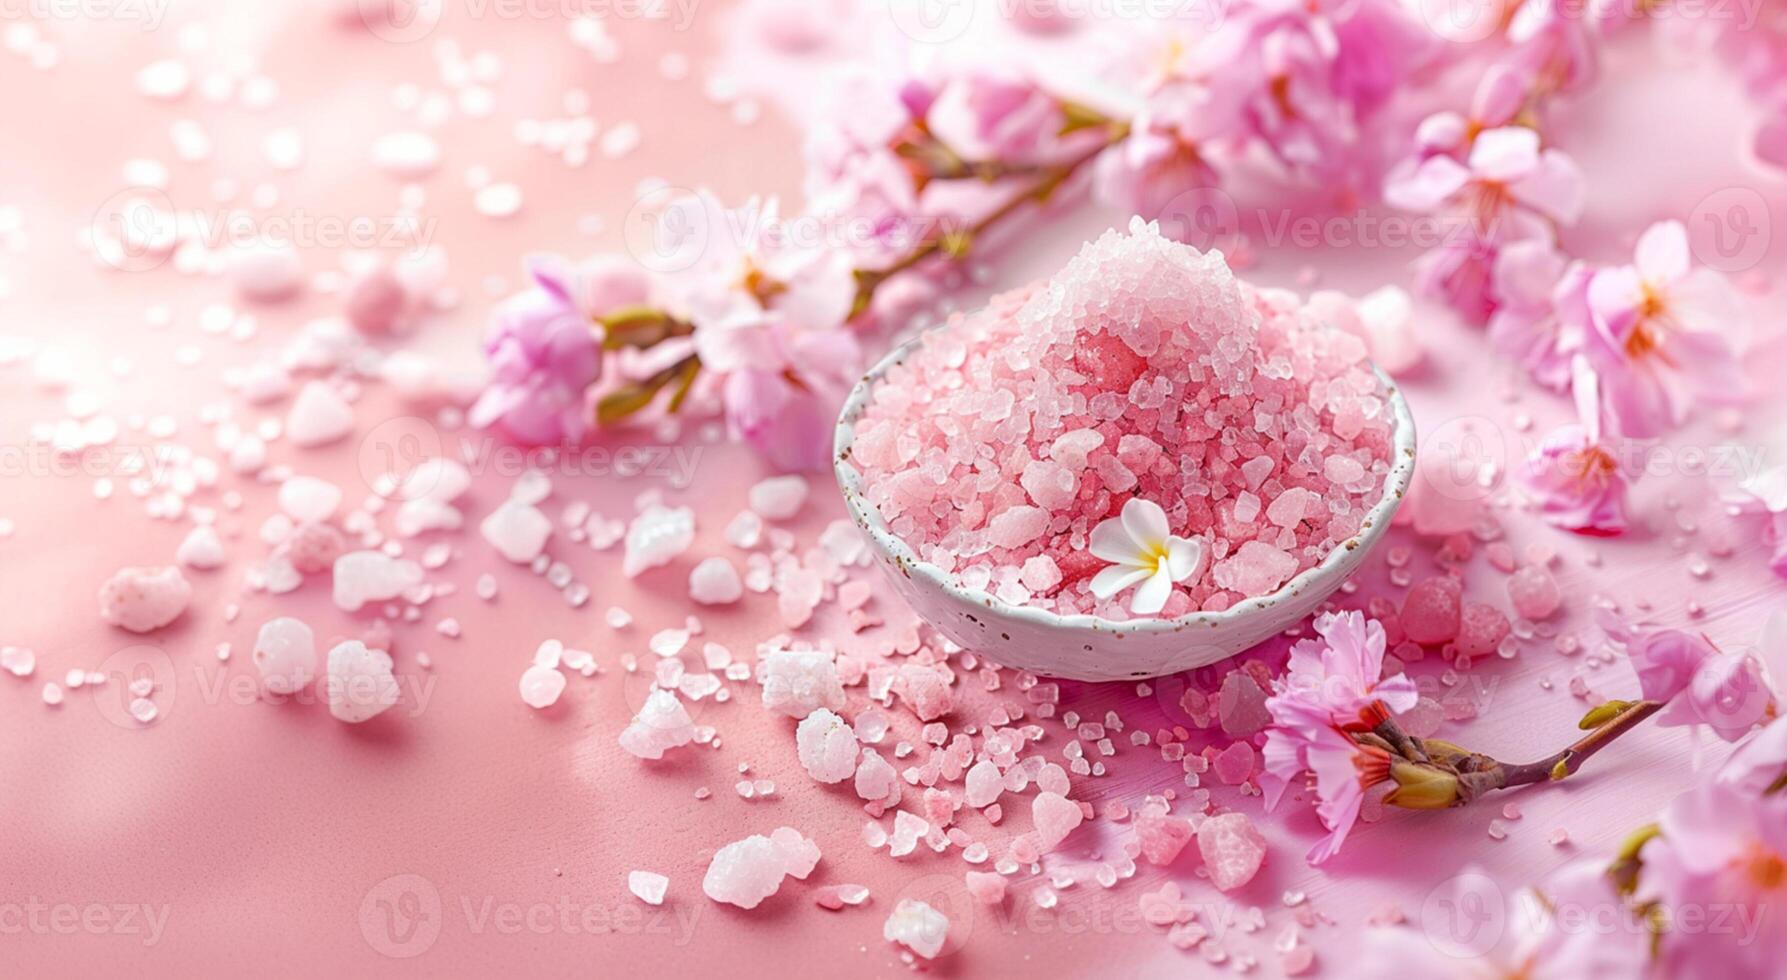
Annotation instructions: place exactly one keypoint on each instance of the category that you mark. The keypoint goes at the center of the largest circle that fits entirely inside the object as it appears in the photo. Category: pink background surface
(268, 835)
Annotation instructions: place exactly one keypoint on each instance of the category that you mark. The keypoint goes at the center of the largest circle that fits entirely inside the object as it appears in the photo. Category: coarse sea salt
(746, 872)
(1144, 369)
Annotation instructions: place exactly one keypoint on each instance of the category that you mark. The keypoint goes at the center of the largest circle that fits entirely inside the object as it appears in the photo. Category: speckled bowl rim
(1336, 565)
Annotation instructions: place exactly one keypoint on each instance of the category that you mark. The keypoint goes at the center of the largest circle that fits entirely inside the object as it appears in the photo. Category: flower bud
(1420, 787)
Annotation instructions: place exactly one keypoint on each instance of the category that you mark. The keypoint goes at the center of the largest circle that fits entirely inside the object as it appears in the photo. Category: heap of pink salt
(1143, 369)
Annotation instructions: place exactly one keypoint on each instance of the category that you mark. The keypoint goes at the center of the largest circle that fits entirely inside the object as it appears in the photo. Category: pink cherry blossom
(788, 415)
(1553, 45)
(1729, 694)
(1343, 771)
(1541, 314)
(1342, 672)
(993, 115)
(1575, 927)
(1667, 334)
(1761, 761)
(1575, 476)
(1763, 498)
(1161, 167)
(1721, 848)
(1666, 661)
(544, 355)
(1505, 170)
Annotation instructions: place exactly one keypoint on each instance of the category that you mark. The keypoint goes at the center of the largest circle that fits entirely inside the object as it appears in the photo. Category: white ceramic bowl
(1091, 648)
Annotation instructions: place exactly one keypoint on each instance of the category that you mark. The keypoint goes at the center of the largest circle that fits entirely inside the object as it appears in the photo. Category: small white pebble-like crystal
(656, 537)
(541, 686)
(372, 576)
(984, 784)
(746, 872)
(518, 531)
(360, 684)
(662, 724)
(319, 416)
(308, 500)
(826, 746)
(715, 582)
(285, 654)
(797, 681)
(779, 498)
(144, 599)
(648, 886)
(908, 829)
(918, 927)
(201, 549)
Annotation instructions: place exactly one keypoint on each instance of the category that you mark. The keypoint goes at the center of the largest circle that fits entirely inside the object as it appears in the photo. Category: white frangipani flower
(1141, 548)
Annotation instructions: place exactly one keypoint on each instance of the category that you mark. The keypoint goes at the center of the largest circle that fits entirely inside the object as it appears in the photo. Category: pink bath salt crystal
(1232, 849)
(836, 897)
(918, 927)
(1050, 485)
(1255, 471)
(801, 590)
(1254, 570)
(1297, 961)
(361, 577)
(1343, 470)
(662, 724)
(1534, 593)
(940, 807)
(1500, 555)
(1040, 574)
(746, 872)
(144, 599)
(1188, 935)
(285, 655)
(1017, 526)
(925, 690)
(779, 497)
(1055, 816)
(647, 886)
(313, 548)
(1430, 613)
(318, 416)
(1071, 449)
(1241, 705)
(909, 828)
(517, 530)
(1234, 764)
(656, 537)
(360, 683)
(715, 582)
(1481, 629)
(876, 780)
(1162, 836)
(541, 686)
(375, 300)
(826, 746)
(986, 887)
(795, 682)
(1288, 508)
(984, 784)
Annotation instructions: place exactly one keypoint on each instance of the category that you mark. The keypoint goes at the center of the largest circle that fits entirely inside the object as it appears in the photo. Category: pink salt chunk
(1051, 485)
(1534, 593)
(1481, 629)
(1254, 570)
(1162, 836)
(1017, 526)
(986, 887)
(1055, 817)
(1241, 705)
(1430, 613)
(1234, 764)
(144, 599)
(1232, 848)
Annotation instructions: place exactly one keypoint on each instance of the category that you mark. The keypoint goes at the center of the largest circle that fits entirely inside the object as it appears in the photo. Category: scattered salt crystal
(746, 872)
(918, 927)
(715, 582)
(307, 499)
(1232, 849)
(796, 682)
(143, 710)
(517, 530)
(372, 576)
(984, 784)
(201, 549)
(1055, 816)
(669, 642)
(647, 886)
(144, 599)
(986, 887)
(407, 155)
(656, 537)
(541, 686)
(908, 828)
(360, 683)
(285, 655)
(826, 746)
(662, 724)
(498, 200)
(779, 498)
(318, 416)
